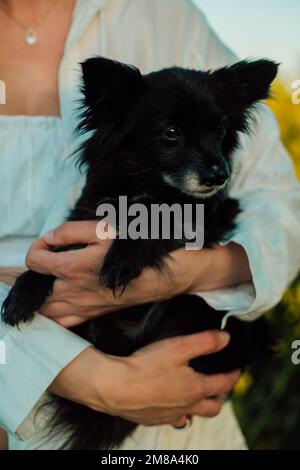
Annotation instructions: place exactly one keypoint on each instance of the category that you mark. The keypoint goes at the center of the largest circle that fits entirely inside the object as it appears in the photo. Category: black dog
(166, 137)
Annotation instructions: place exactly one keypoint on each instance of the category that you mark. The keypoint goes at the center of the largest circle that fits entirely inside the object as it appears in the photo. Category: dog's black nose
(215, 176)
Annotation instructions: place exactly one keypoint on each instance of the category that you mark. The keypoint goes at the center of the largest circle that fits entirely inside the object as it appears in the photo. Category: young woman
(42, 43)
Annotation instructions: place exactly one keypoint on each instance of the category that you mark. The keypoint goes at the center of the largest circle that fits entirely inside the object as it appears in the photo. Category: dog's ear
(247, 82)
(110, 89)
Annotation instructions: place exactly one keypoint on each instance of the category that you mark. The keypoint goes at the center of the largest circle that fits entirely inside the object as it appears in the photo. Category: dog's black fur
(150, 135)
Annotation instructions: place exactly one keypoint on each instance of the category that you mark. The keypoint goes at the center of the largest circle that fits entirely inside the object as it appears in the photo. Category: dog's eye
(221, 127)
(172, 134)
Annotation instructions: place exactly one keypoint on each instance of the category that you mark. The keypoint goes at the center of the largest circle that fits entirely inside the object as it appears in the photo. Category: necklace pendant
(31, 37)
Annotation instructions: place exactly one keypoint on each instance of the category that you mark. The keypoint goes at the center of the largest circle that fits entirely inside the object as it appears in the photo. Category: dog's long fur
(151, 136)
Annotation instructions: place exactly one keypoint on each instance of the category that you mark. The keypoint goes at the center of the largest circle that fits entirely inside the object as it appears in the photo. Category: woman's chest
(30, 72)
(31, 85)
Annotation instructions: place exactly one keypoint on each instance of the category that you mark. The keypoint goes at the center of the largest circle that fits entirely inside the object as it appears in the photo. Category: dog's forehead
(180, 93)
(183, 88)
(192, 82)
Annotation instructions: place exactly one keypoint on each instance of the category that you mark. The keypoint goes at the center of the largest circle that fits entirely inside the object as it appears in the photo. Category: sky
(259, 28)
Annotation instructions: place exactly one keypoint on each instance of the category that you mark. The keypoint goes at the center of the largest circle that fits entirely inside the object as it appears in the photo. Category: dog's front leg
(26, 296)
(126, 259)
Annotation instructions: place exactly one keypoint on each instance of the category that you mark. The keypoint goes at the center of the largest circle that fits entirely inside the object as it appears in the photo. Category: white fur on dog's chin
(189, 185)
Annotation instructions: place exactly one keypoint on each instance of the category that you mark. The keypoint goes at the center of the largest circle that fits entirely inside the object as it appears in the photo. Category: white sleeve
(265, 183)
(31, 357)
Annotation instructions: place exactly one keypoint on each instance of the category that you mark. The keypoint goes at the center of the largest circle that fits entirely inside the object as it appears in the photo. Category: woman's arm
(43, 355)
(153, 386)
(77, 294)
(74, 363)
(35, 354)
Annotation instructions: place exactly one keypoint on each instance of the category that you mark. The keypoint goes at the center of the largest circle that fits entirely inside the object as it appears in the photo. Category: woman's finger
(199, 344)
(219, 384)
(39, 257)
(207, 408)
(69, 233)
(63, 264)
(70, 321)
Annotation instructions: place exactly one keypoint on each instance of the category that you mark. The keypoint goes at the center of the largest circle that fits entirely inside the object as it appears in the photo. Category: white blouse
(31, 172)
(38, 184)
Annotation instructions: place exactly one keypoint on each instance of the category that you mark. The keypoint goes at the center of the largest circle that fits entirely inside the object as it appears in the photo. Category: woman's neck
(27, 10)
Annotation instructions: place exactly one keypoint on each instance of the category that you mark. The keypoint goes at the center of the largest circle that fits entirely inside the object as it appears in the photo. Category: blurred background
(267, 398)
(258, 28)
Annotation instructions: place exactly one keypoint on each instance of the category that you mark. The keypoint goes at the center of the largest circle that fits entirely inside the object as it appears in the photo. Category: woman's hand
(153, 386)
(8, 275)
(78, 295)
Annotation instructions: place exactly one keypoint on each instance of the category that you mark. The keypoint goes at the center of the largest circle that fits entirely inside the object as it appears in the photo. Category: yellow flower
(243, 384)
(288, 116)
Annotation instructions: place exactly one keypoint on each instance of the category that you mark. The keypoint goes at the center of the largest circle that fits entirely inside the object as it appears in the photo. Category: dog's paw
(117, 276)
(118, 270)
(17, 307)
(26, 296)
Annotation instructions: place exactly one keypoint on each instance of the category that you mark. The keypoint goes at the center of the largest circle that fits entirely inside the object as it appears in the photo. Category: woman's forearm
(78, 296)
(226, 266)
(79, 381)
(187, 271)
(134, 387)
(204, 270)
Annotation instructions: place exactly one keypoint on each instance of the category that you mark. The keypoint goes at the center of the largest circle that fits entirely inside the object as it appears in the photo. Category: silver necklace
(30, 33)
